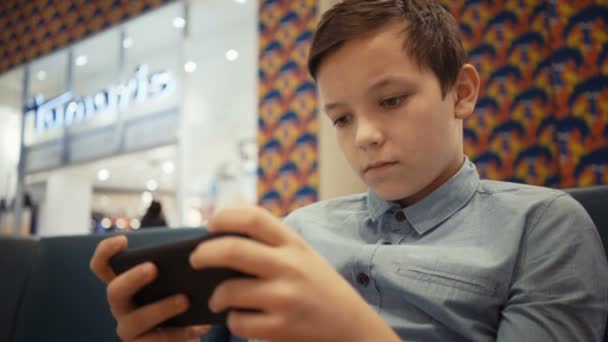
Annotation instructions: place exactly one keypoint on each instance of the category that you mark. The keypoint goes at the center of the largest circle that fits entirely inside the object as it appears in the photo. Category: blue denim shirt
(476, 260)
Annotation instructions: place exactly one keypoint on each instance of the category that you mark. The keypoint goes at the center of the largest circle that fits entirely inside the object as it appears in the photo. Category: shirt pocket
(465, 278)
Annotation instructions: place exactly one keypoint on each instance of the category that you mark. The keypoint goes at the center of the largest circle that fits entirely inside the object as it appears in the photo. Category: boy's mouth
(380, 165)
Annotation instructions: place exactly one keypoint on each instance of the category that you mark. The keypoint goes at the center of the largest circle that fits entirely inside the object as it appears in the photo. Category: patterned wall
(32, 28)
(580, 62)
(542, 116)
(288, 175)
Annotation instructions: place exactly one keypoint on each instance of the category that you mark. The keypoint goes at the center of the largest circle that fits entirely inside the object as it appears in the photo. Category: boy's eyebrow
(328, 107)
(389, 80)
(381, 83)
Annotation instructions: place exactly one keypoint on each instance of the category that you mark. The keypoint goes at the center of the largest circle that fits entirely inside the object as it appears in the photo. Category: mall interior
(108, 107)
(122, 115)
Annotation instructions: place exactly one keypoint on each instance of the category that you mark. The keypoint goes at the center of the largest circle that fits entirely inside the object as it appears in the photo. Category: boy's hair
(430, 34)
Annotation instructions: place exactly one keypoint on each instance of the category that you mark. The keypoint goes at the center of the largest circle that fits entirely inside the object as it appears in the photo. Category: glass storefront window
(176, 79)
(152, 47)
(96, 74)
(220, 106)
(47, 81)
(11, 84)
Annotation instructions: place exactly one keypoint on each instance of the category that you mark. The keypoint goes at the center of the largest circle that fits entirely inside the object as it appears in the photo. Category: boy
(430, 253)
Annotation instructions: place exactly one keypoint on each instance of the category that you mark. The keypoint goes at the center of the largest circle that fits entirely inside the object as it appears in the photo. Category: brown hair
(431, 34)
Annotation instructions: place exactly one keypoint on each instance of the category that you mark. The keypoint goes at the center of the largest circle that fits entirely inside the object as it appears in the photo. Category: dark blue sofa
(47, 292)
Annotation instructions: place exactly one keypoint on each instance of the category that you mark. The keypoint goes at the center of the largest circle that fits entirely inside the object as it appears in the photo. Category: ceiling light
(152, 185)
(134, 223)
(240, 1)
(103, 175)
(190, 66)
(168, 167)
(140, 165)
(81, 60)
(127, 42)
(121, 223)
(179, 22)
(146, 197)
(232, 55)
(106, 223)
(164, 77)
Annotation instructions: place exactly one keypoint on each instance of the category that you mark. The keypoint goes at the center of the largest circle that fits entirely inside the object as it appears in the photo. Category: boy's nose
(368, 134)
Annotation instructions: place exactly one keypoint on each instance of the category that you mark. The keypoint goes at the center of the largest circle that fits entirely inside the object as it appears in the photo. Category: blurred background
(122, 114)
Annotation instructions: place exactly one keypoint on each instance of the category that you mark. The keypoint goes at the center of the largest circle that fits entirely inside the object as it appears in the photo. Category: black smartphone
(175, 275)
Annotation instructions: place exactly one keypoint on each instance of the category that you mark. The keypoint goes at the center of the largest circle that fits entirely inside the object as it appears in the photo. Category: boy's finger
(107, 248)
(244, 294)
(255, 222)
(148, 317)
(175, 334)
(252, 325)
(121, 290)
(241, 254)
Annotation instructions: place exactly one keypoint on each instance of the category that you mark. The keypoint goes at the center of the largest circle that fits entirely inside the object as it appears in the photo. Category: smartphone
(175, 275)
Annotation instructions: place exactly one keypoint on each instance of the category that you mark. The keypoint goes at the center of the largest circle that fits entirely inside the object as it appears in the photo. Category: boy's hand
(299, 296)
(138, 324)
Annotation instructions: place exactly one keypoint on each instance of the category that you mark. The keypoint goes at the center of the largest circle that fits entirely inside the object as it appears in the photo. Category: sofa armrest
(63, 300)
(17, 258)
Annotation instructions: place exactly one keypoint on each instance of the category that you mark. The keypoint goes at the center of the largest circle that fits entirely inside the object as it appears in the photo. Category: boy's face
(392, 123)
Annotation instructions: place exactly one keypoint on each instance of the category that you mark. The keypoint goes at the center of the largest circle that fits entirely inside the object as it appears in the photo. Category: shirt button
(400, 216)
(363, 279)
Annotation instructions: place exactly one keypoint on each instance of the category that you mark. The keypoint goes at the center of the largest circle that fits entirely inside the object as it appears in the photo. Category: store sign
(65, 110)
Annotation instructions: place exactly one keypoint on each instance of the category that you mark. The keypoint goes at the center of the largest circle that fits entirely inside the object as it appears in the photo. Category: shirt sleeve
(293, 221)
(559, 290)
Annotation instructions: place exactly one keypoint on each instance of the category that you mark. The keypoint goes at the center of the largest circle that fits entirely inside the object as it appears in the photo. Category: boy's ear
(466, 91)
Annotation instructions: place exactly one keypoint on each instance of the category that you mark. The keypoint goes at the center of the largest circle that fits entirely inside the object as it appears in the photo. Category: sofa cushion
(17, 258)
(63, 300)
(595, 201)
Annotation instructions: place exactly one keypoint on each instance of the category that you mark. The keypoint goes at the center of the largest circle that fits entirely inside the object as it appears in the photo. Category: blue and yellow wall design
(542, 116)
(581, 90)
(33, 28)
(288, 124)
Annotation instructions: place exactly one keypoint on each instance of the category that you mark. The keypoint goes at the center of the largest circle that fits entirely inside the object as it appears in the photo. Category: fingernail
(117, 243)
(212, 304)
(192, 259)
(147, 268)
(181, 301)
(195, 259)
(200, 329)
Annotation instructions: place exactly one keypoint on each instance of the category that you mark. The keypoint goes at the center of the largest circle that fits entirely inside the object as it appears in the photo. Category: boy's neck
(448, 173)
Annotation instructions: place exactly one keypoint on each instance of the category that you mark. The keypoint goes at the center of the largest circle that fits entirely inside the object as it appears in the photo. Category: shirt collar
(437, 206)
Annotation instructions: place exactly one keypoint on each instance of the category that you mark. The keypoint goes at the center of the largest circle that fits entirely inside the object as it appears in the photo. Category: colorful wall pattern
(580, 63)
(288, 175)
(542, 116)
(33, 28)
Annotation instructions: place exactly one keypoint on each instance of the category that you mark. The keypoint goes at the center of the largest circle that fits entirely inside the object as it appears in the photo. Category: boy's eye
(392, 101)
(341, 121)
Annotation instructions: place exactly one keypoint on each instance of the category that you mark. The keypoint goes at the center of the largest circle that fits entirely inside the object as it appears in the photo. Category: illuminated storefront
(161, 107)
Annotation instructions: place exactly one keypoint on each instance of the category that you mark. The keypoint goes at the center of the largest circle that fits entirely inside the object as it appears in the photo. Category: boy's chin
(391, 192)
